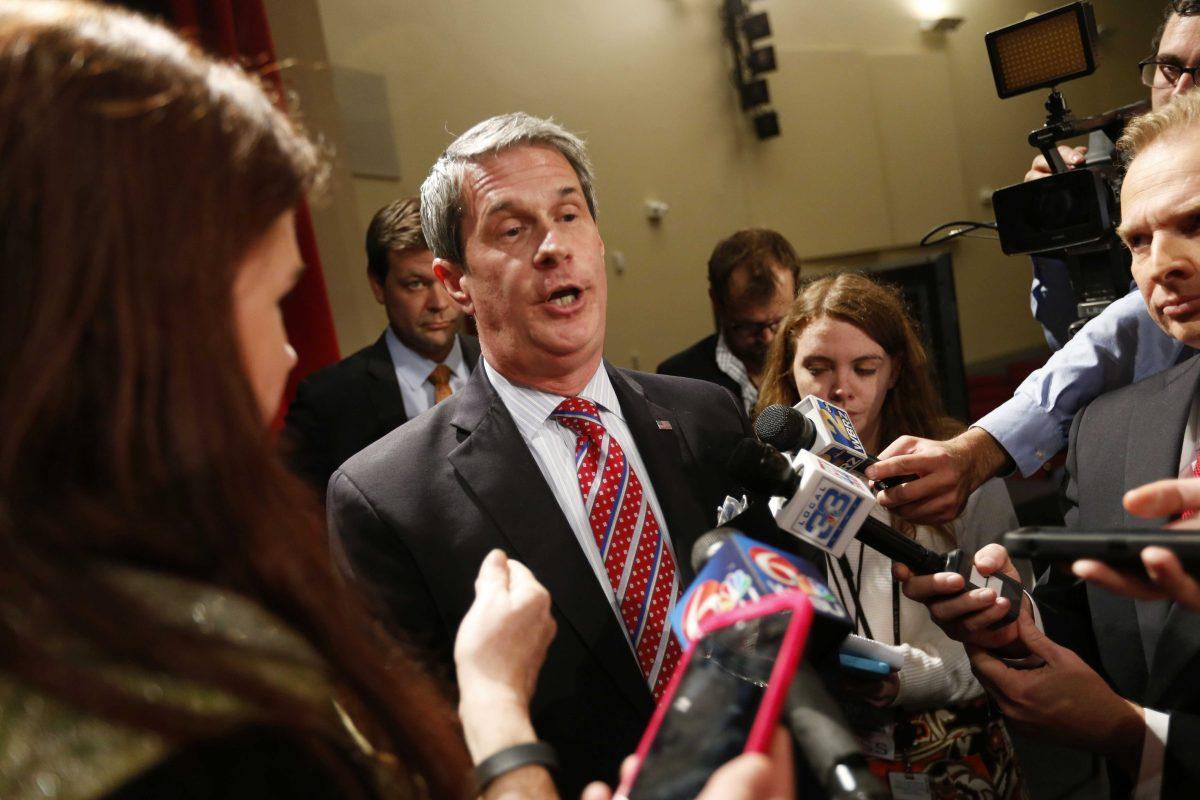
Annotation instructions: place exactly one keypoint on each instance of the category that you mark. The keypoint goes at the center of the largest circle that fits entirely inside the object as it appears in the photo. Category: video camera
(1073, 213)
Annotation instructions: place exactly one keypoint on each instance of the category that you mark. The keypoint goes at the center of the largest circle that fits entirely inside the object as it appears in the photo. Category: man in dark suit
(597, 478)
(752, 279)
(420, 357)
(1127, 685)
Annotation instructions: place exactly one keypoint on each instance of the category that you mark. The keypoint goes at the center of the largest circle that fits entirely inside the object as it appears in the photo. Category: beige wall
(886, 131)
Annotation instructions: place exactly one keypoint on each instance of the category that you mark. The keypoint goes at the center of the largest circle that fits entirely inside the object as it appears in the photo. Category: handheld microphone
(823, 735)
(732, 569)
(821, 428)
(827, 507)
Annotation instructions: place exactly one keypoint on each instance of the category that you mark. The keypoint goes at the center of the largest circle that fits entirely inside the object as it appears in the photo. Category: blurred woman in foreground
(169, 621)
(170, 624)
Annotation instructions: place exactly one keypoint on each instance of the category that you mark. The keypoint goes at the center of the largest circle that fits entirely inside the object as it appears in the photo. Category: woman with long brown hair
(170, 622)
(850, 341)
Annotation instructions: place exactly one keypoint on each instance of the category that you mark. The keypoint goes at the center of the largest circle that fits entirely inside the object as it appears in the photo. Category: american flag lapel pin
(664, 425)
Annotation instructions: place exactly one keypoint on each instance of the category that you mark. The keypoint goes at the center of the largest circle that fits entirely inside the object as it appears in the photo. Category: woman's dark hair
(136, 173)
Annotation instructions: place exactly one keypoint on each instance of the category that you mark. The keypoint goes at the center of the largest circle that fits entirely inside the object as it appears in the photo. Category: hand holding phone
(724, 700)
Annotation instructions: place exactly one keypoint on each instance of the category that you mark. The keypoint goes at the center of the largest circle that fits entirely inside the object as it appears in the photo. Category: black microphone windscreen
(706, 546)
(762, 469)
(785, 428)
(824, 737)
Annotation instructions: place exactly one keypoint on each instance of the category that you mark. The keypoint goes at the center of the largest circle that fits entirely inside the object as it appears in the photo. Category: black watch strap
(515, 757)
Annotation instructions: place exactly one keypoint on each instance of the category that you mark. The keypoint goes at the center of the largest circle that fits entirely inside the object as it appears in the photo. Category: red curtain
(238, 29)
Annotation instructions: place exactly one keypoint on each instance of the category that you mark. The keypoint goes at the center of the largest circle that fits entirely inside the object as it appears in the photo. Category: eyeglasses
(1164, 74)
(755, 328)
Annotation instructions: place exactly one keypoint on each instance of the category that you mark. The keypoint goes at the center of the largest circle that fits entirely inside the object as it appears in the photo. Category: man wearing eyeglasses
(1169, 72)
(752, 279)
(1119, 347)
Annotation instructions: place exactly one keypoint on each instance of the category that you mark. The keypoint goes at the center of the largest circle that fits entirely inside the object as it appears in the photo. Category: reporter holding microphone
(849, 340)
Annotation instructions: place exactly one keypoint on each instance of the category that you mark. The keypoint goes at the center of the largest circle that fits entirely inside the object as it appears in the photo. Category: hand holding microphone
(947, 473)
(826, 507)
(823, 429)
(973, 616)
(923, 480)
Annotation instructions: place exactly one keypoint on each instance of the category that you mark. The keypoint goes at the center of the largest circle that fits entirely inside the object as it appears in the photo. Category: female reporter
(170, 622)
(849, 340)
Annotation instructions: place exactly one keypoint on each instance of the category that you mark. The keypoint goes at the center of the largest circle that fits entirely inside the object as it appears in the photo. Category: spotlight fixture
(756, 26)
(766, 125)
(754, 93)
(941, 24)
(744, 31)
(761, 59)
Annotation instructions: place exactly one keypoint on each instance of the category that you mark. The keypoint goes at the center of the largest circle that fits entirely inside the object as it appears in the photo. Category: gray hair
(441, 193)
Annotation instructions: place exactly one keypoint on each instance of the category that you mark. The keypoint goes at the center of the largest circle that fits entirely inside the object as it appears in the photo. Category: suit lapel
(1179, 643)
(501, 474)
(1173, 677)
(385, 389)
(1151, 452)
(1156, 432)
(663, 447)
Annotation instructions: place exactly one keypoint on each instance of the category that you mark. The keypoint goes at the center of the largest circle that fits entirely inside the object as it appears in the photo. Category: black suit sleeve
(304, 441)
(373, 558)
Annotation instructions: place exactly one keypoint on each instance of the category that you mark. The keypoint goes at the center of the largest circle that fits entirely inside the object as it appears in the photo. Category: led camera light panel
(1043, 51)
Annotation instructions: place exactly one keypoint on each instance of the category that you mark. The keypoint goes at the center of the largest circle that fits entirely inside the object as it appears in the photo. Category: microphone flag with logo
(742, 571)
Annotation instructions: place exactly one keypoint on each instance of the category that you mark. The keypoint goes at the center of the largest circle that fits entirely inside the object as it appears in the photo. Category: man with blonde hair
(1125, 685)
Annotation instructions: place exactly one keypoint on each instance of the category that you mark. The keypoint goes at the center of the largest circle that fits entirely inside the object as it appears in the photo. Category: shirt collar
(413, 368)
(733, 366)
(531, 408)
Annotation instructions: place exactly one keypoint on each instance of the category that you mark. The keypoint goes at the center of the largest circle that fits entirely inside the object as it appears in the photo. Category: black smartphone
(1120, 549)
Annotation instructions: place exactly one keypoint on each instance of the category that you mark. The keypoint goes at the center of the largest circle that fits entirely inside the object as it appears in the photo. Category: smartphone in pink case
(724, 699)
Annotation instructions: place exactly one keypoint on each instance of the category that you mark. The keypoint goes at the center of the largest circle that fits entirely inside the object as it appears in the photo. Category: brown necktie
(440, 378)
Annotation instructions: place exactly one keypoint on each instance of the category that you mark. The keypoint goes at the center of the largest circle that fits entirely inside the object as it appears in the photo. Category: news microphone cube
(829, 506)
(837, 440)
(743, 571)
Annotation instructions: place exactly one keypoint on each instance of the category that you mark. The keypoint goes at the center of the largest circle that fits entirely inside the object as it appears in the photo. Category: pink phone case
(791, 650)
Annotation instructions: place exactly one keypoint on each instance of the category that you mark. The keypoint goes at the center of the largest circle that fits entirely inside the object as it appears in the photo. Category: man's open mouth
(564, 297)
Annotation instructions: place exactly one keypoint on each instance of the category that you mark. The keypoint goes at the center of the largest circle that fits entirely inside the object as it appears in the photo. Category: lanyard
(852, 584)
(895, 610)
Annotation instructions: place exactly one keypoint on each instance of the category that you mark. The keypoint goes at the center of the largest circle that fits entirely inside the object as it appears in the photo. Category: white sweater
(936, 671)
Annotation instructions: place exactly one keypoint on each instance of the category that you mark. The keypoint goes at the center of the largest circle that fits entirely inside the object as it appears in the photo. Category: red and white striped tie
(638, 562)
(1188, 513)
